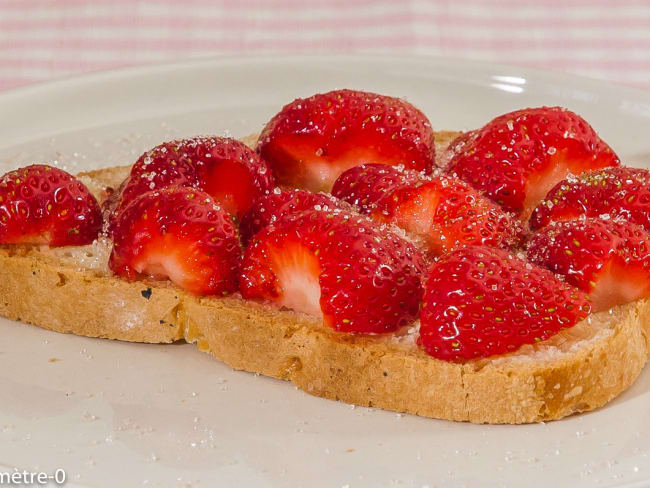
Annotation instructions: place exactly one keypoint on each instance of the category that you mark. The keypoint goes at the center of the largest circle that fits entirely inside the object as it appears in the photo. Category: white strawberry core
(297, 271)
(322, 174)
(168, 257)
(161, 266)
(540, 184)
(321, 170)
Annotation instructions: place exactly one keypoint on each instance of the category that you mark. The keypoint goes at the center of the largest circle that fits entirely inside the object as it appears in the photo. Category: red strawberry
(609, 260)
(40, 204)
(233, 174)
(181, 234)
(617, 192)
(481, 301)
(518, 157)
(339, 266)
(456, 146)
(278, 203)
(313, 140)
(366, 184)
(443, 213)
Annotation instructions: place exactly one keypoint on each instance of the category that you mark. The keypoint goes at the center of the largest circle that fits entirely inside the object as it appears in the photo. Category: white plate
(118, 414)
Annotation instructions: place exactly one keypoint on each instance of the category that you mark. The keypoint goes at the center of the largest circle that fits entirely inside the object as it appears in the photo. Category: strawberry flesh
(40, 204)
(518, 157)
(311, 141)
(178, 233)
(297, 272)
(616, 192)
(338, 266)
(480, 301)
(609, 260)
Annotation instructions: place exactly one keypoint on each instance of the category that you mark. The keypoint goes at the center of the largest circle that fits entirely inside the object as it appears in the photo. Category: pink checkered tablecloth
(47, 39)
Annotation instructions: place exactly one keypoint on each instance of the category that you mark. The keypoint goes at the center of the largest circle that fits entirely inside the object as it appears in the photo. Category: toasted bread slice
(71, 290)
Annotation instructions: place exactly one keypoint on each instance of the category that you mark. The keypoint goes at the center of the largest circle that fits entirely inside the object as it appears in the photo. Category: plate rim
(132, 71)
(126, 73)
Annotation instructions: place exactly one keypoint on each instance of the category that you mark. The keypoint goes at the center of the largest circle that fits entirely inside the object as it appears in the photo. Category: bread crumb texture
(579, 369)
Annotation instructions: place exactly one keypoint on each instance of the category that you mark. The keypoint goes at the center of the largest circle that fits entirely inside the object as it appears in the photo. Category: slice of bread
(71, 290)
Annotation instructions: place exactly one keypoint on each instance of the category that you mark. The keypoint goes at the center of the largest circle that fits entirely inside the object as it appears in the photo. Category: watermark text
(31, 478)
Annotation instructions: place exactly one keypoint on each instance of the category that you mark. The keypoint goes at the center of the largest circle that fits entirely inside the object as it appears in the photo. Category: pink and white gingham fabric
(47, 39)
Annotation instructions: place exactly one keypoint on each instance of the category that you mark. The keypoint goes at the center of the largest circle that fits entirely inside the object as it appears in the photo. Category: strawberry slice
(609, 260)
(268, 208)
(518, 157)
(232, 173)
(311, 141)
(481, 301)
(442, 213)
(177, 233)
(339, 266)
(40, 204)
(616, 192)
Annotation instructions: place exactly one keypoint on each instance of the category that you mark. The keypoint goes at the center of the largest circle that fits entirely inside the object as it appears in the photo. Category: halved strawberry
(442, 212)
(616, 192)
(339, 266)
(40, 204)
(364, 185)
(518, 157)
(609, 260)
(456, 146)
(229, 171)
(177, 233)
(278, 203)
(311, 141)
(481, 301)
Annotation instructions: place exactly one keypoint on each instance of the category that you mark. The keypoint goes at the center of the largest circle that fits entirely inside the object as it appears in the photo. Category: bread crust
(577, 371)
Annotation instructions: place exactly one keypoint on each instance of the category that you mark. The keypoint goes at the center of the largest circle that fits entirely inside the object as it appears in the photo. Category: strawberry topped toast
(495, 276)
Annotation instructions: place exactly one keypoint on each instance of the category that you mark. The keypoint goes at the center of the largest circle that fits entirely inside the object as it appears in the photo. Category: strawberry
(518, 157)
(609, 260)
(456, 146)
(233, 174)
(481, 301)
(178, 233)
(357, 276)
(40, 204)
(364, 185)
(442, 213)
(618, 192)
(277, 203)
(311, 141)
